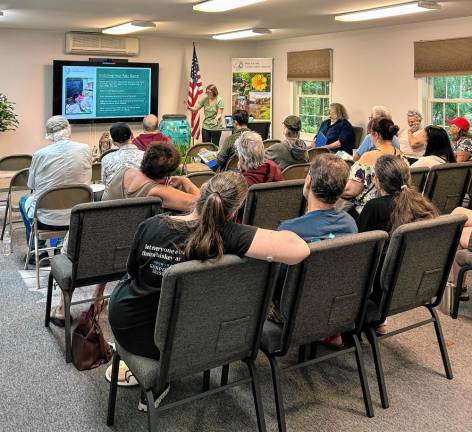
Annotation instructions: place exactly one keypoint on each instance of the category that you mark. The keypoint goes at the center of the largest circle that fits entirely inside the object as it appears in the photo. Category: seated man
(127, 155)
(324, 185)
(254, 168)
(413, 138)
(292, 150)
(151, 133)
(227, 149)
(63, 162)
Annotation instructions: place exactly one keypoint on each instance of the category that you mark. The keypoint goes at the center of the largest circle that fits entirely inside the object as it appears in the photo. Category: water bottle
(6, 243)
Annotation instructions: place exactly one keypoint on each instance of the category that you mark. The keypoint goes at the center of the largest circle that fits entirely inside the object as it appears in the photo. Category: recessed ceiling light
(389, 11)
(222, 5)
(241, 34)
(130, 27)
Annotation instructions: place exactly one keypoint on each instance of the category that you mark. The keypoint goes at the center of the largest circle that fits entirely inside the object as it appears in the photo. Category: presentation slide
(94, 92)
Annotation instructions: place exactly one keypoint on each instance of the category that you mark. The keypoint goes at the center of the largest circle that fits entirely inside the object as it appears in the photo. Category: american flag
(195, 89)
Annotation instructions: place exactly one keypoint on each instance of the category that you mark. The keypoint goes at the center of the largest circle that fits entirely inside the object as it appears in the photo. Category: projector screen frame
(58, 81)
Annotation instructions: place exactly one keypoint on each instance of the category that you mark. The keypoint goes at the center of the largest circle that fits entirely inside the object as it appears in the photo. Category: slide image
(79, 96)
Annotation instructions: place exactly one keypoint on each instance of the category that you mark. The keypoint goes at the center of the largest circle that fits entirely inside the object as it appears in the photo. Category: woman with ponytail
(206, 233)
(398, 201)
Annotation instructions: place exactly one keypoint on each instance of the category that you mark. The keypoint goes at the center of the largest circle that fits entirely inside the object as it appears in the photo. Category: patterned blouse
(463, 144)
(127, 156)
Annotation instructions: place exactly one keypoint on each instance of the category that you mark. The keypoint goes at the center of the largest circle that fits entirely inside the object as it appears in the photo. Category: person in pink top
(151, 133)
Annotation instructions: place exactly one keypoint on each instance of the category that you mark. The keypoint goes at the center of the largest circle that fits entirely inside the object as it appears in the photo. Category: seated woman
(438, 148)
(206, 233)
(398, 203)
(361, 188)
(337, 129)
(154, 179)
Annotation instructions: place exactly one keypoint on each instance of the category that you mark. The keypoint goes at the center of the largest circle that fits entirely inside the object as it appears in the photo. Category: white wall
(26, 78)
(371, 67)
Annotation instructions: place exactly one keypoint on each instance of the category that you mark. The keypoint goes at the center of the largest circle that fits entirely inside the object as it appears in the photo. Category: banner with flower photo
(252, 87)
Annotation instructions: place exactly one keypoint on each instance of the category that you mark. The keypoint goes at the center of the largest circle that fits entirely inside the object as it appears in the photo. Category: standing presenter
(212, 105)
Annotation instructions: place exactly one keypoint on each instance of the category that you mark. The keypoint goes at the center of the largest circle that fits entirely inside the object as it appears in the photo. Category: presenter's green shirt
(210, 111)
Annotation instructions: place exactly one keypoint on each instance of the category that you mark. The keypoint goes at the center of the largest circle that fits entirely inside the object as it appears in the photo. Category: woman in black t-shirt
(207, 232)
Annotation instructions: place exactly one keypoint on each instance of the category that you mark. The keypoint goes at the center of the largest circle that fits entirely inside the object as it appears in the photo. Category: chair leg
(10, 223)
(363, 378)
(151, 412)
(47, 317)
(5, 217)
(36, 260)
(441, 343)
(224, 374)
(374, 343)
(206, 380)
(113, 389)
(256, 393)
(67, 327)
(458, 290)
(28, 253)
(279, 403)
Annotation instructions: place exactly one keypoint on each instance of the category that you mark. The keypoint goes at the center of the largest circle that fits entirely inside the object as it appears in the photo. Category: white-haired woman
(378, 111)
(337, 130)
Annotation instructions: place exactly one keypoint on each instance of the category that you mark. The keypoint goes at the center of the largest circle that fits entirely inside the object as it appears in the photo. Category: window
(449, 97)
(311, 103)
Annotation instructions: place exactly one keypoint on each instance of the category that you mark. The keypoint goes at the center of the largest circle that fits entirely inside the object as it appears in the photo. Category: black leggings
(211, 136)
(138, 340)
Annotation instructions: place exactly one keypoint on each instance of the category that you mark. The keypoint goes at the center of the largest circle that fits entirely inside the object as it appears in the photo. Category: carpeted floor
(40, 392)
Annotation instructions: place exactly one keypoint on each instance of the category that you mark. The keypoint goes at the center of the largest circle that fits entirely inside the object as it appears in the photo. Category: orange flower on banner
(259, 82)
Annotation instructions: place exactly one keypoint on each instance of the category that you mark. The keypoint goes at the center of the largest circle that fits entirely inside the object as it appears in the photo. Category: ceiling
(176, 18)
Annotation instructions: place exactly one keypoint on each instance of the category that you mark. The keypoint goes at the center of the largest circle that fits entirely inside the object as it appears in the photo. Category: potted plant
(8, 118)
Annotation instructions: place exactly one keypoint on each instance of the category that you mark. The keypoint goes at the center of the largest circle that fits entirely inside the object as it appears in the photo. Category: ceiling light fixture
(222, 5)
(389, 11)
(241, 34)
(130, 27)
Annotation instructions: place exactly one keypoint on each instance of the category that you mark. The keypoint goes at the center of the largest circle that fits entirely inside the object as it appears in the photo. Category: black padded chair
(296, 172)
(358, 134)
(230, 313)
(269, 142)
(198, 178)
(447, 185)
(313, 153)
(464, 260)
(414, 275)
(418, 177)
(100, 237)
(268, 204)
(318, 300)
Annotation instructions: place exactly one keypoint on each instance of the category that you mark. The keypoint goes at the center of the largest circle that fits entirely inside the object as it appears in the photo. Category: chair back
(101, 235)
(418, 262)
(15, 162)
(19, 181)
(320, 299)
(232, 164)
(63, 197)
(107, 152)
(199, 178)
(210, 314)
(268, 204)
(447, 185)
(193, 151)
(97, 172)
(418, 177)
(295, 172)
(269, 142)
(358, 134)
(314, 152)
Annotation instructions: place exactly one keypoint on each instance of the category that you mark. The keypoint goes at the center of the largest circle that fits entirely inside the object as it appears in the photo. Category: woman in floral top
(360, 188)
(462, 141)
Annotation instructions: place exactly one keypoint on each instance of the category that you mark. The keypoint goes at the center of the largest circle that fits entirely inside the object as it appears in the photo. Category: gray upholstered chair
(296, 172)
(358, 134)
(232, 164)
(319, 300)
(314, 152)
(464, 260)
(268, 204)
(418, 177)
(447, 185)
(230, 313)
(198, 178)
(414, 275)
(100, 237)
(57, 198)
(97, 172)
(269, 142)
(18, 184)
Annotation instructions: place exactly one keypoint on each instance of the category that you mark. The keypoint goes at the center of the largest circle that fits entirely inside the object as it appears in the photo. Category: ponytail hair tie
(404, 187)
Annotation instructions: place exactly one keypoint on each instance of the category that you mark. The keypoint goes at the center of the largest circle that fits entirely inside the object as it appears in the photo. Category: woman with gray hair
(252, 163)
(337, 130)
(413, 138)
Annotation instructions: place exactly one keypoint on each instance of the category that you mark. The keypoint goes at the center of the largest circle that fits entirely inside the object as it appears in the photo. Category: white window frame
(296, 95)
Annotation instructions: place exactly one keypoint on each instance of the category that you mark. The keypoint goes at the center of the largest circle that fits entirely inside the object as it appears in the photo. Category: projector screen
(88, 92)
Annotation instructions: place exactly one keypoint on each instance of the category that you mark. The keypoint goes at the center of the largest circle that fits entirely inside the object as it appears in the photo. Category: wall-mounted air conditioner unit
(100, 44)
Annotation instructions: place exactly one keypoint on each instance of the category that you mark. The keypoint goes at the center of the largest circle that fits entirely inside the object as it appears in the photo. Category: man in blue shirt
(324, 185)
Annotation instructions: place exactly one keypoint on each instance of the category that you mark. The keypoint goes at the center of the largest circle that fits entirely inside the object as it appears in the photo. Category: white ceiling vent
(97, 43)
